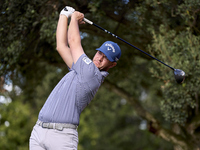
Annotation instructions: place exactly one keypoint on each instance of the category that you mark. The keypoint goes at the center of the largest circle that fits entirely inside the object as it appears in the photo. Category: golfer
(58, 119)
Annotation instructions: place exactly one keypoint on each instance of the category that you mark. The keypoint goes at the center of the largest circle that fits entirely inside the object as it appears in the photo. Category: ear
(113, 65)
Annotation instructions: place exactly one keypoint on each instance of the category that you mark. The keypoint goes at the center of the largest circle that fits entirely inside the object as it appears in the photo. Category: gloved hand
(67, 11)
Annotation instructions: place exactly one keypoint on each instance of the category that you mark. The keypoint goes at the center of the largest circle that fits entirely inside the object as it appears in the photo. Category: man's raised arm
(62, 36)
(74, 35)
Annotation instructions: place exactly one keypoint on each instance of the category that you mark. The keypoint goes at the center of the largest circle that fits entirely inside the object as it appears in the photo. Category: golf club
(178, 74)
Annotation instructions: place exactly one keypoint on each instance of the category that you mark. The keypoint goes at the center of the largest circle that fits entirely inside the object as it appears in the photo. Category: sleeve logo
(87, 60)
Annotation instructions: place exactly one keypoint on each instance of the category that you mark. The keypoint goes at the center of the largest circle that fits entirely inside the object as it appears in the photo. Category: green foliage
(119, 128)
(182, 51)
(48, 28)
(15, 122)
(11, 55)
(168, 30)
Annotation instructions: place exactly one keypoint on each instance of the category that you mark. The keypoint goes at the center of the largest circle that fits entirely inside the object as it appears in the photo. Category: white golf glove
(67, 11)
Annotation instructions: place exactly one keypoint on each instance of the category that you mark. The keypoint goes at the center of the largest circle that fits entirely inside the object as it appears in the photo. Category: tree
(168, 30)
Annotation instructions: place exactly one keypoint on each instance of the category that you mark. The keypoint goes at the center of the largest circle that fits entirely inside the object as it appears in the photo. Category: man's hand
(67, 11)
(79, 17)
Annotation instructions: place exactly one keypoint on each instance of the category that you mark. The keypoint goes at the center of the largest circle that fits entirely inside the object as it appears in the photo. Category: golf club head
(179, 75)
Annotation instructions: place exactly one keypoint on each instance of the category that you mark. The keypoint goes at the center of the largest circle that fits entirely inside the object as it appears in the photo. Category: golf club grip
(88, 21)
(91, 23)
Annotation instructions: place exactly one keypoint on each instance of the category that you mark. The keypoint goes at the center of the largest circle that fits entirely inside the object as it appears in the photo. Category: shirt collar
(104, 73)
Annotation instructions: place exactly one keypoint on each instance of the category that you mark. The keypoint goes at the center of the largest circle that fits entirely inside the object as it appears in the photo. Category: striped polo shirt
(73, 93)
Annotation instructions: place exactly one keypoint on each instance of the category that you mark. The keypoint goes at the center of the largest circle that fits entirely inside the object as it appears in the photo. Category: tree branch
(194, 124)
(157, 128)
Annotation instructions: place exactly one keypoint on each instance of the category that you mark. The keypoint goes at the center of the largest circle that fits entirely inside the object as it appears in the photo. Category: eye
(100, 52)
(106, 58)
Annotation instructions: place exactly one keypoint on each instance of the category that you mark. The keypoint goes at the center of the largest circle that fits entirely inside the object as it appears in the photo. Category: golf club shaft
(91, 23)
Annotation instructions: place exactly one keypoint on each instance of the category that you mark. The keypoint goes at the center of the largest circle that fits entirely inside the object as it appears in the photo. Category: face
(102, 62)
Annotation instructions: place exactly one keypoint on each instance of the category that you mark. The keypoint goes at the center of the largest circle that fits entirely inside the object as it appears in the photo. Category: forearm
(62, 41)
(74, 33)
(74, 36)
(61, 34)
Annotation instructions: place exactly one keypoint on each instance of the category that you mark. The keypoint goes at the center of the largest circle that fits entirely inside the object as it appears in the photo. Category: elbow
(60, 45)
(58, 48)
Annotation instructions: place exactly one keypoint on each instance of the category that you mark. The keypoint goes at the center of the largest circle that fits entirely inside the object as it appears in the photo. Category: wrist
(62, 13)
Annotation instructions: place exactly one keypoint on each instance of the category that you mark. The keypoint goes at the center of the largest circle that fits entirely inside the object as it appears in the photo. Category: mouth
(97, 62)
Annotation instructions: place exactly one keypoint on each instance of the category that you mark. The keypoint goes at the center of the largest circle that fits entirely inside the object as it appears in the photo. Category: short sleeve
(85, 68)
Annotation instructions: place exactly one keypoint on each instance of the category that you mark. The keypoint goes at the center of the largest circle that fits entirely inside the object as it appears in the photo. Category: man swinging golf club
(58, 119)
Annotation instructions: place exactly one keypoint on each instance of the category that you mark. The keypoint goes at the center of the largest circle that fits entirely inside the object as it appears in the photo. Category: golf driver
(178, 74)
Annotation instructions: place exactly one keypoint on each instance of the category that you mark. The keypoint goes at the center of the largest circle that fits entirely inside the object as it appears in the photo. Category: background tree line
(139, 106)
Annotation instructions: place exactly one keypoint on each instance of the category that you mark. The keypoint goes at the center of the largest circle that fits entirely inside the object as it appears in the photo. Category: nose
(101, 58)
